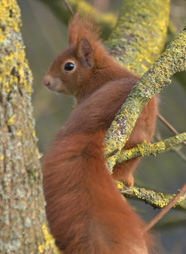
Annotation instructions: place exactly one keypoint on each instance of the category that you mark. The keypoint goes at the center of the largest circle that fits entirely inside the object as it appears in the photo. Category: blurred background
(45, 36)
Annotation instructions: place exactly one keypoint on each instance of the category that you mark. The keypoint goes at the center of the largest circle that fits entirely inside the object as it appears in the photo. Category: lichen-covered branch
(179, 196)
(143, 149)
(156, 78)
(157, 200)
(140, 34)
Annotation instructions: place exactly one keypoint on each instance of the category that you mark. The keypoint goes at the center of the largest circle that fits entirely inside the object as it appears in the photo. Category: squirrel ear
(85, 52)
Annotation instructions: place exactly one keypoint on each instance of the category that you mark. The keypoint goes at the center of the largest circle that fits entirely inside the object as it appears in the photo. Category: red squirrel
(85, 211)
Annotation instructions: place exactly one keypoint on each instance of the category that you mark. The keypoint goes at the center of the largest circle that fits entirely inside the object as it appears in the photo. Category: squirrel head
(72, 70)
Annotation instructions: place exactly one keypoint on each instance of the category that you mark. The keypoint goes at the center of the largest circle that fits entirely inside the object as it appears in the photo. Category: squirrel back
(86, 213)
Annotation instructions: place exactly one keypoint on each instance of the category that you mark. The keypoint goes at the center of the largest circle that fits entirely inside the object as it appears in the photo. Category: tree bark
(22, 220)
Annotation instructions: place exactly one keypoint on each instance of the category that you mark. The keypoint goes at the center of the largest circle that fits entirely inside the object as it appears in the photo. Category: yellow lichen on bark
(5, 7)
(22, 204)
(140, 34)
(48, 243)
(146, 149)
(152, 82)
(136, 42)
(14, 62)
(157, 200)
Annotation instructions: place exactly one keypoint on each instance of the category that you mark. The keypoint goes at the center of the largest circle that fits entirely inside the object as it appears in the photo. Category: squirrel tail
(86, 213)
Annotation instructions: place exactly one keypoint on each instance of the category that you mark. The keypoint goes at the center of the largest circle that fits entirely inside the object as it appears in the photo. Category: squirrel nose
(46, 81)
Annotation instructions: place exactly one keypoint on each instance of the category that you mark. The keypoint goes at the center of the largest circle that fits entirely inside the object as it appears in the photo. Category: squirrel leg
(123, 171)
(143, 130)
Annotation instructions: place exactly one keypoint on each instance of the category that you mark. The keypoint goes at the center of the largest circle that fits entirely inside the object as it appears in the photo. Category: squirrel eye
(69, 66)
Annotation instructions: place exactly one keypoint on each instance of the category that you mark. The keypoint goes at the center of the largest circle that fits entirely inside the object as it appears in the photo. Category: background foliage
(45, 36)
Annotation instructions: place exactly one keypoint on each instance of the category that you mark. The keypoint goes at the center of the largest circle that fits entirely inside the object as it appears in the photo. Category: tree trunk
(22, 220)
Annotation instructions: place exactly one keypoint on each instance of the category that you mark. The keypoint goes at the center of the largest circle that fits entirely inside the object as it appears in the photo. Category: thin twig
(174, 149)
(168, 125)
(166, 209)
(69, 7)
(146, 149)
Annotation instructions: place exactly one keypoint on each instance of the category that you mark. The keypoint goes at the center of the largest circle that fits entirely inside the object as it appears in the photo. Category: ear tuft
(85, 52)
(80, 27)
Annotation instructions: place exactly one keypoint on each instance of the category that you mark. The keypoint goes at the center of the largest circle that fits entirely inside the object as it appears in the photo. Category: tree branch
(156, 78)
(168, 125)
(143, 149)
(172, 203)
(170, 62)
(156, 200)
(69, 7)
(136, 42)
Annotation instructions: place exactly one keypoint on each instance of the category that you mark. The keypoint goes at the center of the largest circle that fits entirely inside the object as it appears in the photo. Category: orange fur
(82, 27)
(86, 213)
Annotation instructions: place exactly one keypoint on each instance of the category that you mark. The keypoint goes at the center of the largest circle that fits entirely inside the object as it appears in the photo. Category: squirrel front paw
(129, 181)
